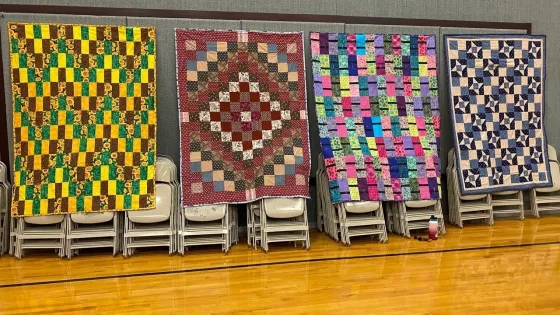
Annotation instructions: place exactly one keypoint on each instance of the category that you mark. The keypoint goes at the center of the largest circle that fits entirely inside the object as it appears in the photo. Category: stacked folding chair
(548, 198)
(415, 215)
(5, 200)
(331, 222)
(361, 219)
(254, 224)
(206, 225)
(233, 225)
(284, 220)
(156, 227)
(465, 207)
(93, 230)
(44, 232)
(506, 203)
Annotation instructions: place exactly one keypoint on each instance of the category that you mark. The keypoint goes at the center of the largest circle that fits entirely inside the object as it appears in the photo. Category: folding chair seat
(465, 207)
(548, 198)
(284, 220)
(205, 225)
(362, 218)
(44, 232)
(151, 228)
(93, 230)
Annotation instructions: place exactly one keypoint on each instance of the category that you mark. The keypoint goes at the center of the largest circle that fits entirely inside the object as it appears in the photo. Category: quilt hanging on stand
(242, 114)
(377, 108)
(496, 92)
(84, 118)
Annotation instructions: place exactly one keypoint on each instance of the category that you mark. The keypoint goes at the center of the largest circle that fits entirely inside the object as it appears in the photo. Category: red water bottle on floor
(433, 228)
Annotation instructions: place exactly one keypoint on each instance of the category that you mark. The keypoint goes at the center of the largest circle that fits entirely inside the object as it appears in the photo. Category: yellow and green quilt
(84, 118)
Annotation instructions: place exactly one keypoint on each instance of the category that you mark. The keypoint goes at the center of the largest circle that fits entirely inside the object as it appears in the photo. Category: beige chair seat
(420, 203)
(555, 172)
(45, 220)
(205, 213)
(162, 212)
(361, 206)
(92, 218)
(283, 208)
(472, 197)
(505, 193)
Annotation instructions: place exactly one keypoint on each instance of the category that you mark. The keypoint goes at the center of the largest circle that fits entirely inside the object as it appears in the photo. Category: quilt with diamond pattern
(243, 118)
(496, 85)
(377, 108)
(84, 118)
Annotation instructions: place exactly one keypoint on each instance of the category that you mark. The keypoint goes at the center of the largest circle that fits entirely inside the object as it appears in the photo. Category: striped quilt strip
(84, 118)
(377, 107)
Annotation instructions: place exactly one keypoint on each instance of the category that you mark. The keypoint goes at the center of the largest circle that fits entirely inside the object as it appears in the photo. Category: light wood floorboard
(497, 280)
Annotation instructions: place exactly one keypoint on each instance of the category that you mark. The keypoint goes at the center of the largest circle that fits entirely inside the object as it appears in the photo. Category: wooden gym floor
(512, 267)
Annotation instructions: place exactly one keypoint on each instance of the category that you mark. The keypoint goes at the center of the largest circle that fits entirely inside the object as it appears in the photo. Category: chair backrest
(420, 203)
(451, 158)
(165, 171)
(552, 156)
(162, 212)
(206, 213)
(92, 218)
(282, 208)
(45, 220)
(362, 206)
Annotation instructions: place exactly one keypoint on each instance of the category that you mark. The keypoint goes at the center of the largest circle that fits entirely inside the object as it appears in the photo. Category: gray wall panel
(167, 103)
(306, 28)
(38, 18)
(286, 6)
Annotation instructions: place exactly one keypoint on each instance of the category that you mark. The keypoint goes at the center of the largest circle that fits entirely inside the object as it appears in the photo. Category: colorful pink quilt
(377, 108)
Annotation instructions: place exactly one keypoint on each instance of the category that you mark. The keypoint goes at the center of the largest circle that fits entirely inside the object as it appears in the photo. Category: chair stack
(284, 220)
(156, 227)
(415, 215)
(506, 203)
(465, 207)
(254, 224)
(44, 232)
(93, 230)
(233, 228)
(206, 225)
(548, 198)
(361, 219)
(329, 213)
(5, 200)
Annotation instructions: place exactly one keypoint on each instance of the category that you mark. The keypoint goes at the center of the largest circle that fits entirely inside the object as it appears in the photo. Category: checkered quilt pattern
(377, 108)
(84, 118)
(496, 85)
(243, 118)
